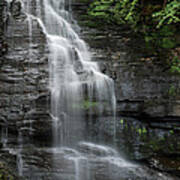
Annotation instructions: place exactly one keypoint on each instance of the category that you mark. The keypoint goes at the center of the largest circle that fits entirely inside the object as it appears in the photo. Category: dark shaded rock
(23, 73)
(70, 164)
(142, 83)
(8, 166)
(16, 8)
(3, 21)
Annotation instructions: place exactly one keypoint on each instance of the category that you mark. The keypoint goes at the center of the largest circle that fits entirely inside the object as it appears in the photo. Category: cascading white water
(4, 137)
(73, 77)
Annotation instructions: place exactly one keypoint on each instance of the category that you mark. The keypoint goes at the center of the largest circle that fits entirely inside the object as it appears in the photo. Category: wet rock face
(3, 20)
(71, 164)
(143, 85)
(23, 73)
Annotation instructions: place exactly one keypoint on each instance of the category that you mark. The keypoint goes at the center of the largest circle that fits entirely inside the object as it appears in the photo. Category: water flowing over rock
(73, 77)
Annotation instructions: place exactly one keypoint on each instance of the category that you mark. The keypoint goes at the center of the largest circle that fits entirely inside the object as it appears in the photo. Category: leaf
(144, 130)
(168, 43)
(121, 121)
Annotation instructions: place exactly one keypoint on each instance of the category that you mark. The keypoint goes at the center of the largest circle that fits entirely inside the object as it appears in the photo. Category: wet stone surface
(71, 164)
(23, 73)
(139, 148)
(151, 143)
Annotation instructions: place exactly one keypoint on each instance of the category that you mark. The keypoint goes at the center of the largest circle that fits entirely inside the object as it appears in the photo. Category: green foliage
(122, 121)
(161, 38)
(154, 21)
(141, 131)
(132, 16)
(168, 43)
(175, 66)
(169, 15)
(100, 9)
(144, 130)
(133, 12)
(88, 104)
(172, 91)
(166, 31)
(157, 22)
(5, 175)
(120, 12)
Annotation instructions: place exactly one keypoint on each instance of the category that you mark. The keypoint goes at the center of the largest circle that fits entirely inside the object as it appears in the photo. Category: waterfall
(75, 82)
(73, 77)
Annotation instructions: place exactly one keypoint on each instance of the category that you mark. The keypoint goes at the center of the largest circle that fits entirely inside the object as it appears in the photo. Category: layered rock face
(24, 93)
(144, 88)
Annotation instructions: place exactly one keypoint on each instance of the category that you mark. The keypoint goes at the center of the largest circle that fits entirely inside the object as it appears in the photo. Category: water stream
(72, 75)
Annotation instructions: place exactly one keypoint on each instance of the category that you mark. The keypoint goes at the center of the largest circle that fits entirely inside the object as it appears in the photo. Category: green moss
(89, 23)
(175, 65)
(89, 104)
(172, 91)
(168, 43)
(86, 105)
(4, 175)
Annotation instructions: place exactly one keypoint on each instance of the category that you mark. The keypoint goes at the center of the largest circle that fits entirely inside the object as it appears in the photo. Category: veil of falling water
(74, 78)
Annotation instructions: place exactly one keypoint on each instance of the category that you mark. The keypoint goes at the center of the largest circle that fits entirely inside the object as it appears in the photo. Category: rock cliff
(23, 72)
(144, 87)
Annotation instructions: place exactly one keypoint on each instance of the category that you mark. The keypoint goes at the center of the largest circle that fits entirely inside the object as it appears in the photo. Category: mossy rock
(6, 173)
